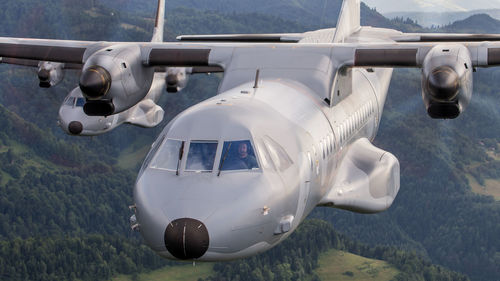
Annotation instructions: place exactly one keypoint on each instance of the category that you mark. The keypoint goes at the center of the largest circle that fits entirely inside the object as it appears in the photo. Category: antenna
(322, 20)
(257, 74)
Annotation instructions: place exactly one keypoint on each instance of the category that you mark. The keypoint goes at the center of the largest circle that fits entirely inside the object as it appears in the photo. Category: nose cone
(75, 128)
(186, 239)
(95, 82)
(444, 83)
(44, 75)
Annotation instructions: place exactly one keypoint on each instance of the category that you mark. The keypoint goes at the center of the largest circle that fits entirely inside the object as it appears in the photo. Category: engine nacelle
(50, 73)
(177, 79)
(447, 81)
(114, 79)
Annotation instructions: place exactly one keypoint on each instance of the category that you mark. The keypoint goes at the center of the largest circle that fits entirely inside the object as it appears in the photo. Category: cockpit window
(70, 101)
(238, 155)
(201, 156)
(80, 102)
(279, 156)
(168, 156)
(151, 154)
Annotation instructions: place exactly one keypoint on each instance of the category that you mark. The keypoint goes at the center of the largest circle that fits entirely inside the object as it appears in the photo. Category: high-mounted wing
(445, 37)
(246, 38)
(44, 50)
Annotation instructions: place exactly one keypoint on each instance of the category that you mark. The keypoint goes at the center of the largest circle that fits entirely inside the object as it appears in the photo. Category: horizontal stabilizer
(367, 180)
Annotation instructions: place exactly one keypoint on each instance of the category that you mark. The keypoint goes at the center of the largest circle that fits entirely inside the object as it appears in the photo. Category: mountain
(429, 19)
(477, 23)
(387, 6)
(311, 14)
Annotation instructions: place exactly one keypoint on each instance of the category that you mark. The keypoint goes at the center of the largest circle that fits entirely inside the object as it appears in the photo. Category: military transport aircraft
(289, 129)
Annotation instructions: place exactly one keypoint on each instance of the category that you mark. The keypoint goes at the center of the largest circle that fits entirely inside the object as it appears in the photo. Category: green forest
(64, 200)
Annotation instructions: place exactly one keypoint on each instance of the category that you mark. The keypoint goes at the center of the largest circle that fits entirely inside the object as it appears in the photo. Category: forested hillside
(63, 200)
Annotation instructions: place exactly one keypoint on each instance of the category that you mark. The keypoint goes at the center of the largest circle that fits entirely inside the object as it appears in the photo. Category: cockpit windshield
(168, 157)
(238, 155)
(201, 156)
(70, 101)
(80, 102)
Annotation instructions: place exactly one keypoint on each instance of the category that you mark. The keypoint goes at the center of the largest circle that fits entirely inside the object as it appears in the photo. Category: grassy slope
(491, 187)
(333, 265)
(171, 273)
(338, 265)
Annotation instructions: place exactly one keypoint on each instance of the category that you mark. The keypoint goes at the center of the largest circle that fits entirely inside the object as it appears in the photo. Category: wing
(44, 50)
(482, 54)
(73, 54)
(247, 38)
(445, 37)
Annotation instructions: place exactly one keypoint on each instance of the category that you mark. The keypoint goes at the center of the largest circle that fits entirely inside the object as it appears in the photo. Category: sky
(387, 6)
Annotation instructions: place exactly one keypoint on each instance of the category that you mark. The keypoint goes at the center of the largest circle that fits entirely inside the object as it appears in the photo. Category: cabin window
(168, 156)
(322, 149)
(325, 151)
(311, 165)
(201, 156)
(334, 143)
(328, 145)
(342, 133)
(238, 155)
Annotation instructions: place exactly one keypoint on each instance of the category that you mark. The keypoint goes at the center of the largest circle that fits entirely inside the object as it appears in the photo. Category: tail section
(349, 20)
(159, 22)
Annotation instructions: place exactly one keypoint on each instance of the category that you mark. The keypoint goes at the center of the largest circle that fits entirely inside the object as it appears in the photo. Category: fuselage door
(305, 185)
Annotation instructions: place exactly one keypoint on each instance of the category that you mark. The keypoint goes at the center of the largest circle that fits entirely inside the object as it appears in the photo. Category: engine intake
(177, 79)
(95, 82)
(50, 74)
(447, 81)
(443, 83)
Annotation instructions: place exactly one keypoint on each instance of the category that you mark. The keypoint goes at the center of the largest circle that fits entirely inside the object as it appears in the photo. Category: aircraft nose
(186, 238)
(75, 128)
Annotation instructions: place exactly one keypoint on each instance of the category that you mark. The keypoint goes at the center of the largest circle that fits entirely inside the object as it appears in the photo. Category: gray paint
(311, 151)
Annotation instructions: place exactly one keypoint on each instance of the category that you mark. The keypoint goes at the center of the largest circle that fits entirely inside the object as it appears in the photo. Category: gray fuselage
(299, 141)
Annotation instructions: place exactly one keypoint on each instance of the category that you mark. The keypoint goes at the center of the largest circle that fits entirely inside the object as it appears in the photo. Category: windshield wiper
(181, 153)
(224, 158)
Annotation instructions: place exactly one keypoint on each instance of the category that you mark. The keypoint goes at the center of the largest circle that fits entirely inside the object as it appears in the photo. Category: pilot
(246, 158)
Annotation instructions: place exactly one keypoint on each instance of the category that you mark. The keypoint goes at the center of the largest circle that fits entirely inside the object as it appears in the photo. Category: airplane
(289, 129)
